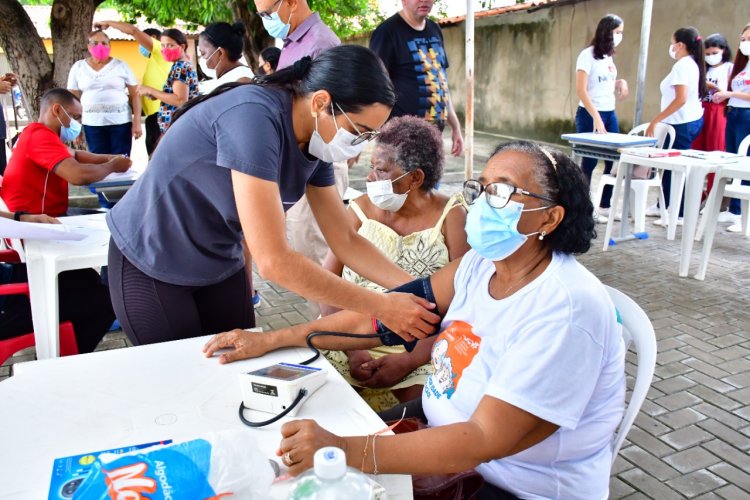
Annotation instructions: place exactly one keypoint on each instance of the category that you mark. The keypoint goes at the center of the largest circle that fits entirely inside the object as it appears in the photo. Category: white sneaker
(728, 216)
(653, 211)
(600, 219)
(736, 227)
(660, 222)
(603, 211)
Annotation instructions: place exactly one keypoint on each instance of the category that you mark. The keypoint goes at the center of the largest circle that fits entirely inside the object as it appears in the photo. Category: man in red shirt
(41, 166)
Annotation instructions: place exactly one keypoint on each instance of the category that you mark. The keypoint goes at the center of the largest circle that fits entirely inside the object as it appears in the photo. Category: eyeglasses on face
(365, 136)
(497, 193)
(268, 13)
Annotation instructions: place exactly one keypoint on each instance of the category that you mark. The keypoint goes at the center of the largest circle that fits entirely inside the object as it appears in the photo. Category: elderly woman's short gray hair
(413, 143)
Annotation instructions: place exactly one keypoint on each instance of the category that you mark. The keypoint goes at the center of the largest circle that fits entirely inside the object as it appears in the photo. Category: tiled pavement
(693, 434)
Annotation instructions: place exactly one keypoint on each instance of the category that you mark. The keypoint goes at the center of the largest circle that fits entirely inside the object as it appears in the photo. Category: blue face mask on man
(275, 26)
(72, 131)
(493, 232)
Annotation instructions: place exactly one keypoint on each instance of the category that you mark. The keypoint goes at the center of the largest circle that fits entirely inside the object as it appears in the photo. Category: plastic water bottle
(331, 479)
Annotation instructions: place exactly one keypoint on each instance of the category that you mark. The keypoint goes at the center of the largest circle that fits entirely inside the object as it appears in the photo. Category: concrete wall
(525, 61)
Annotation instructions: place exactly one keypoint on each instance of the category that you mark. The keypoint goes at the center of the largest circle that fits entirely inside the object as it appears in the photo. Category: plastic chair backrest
(664, 134)
(637, 330)
(744, 146)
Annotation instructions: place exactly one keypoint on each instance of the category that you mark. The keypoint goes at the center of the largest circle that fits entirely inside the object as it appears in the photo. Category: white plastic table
(45, 259)
(78, 404)
(688, 173)
(725, 174)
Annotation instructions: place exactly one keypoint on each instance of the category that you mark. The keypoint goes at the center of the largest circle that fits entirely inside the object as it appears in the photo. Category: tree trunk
(26, 54)
(256, 38)
(71, 21)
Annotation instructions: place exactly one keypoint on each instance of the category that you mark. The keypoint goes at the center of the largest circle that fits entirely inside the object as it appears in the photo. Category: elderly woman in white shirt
(529, 379)
(107, 89)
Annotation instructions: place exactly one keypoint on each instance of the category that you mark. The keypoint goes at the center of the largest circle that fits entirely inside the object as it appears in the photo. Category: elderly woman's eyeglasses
(497, 193)
(365, 136)
(268, 13)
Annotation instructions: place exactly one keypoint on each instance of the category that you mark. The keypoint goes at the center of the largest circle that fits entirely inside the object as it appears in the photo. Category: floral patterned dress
(181, 71)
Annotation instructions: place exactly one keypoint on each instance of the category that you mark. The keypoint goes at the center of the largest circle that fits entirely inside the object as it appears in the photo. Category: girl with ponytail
(225, 172)
(681, 94)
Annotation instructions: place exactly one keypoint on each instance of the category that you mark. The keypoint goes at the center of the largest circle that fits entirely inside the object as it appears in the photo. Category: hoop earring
(542, 235)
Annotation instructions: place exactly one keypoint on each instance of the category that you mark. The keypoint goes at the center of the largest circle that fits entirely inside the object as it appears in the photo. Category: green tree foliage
(345, 17)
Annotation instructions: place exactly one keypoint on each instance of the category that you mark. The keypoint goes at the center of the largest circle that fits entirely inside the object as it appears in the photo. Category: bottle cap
(330, 463)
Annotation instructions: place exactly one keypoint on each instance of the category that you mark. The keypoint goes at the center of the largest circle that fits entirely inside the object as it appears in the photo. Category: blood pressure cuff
(421, 287)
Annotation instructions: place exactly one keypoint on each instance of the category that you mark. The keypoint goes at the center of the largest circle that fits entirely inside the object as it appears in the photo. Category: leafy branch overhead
(345, 17)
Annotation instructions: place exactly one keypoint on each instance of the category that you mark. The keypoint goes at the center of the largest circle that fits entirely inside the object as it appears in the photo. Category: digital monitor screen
(282, 372)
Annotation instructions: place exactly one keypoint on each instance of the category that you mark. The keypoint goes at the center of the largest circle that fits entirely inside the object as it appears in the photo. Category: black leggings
(153, 311)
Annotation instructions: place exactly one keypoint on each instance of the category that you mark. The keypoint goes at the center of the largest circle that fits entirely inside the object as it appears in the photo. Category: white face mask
(672, 52)
(382, 196)
(617, 38)
(745, 48)
(714, 59)
(203, 63)
(339, 149)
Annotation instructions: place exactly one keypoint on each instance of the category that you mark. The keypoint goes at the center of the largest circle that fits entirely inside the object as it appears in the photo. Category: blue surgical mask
(144, 51)
(493, 232)
(72, 131)
(275, 26)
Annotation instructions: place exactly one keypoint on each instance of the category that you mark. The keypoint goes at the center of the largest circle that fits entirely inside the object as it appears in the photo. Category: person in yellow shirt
(157, 70)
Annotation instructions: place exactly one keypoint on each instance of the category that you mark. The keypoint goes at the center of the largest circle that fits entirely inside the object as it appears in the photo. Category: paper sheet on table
(133, 173)
(31, 230)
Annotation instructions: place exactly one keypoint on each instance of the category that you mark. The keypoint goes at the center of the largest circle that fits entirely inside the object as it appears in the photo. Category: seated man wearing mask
(41, 166)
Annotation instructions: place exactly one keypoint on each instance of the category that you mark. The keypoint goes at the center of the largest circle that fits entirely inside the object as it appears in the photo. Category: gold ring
(287, 459)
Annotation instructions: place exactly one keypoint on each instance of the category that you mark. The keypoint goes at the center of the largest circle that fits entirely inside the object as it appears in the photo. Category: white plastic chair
(637, 330)
(742, 192)
(665, 136)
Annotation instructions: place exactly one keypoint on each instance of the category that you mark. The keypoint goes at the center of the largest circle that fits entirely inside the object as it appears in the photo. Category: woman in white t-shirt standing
(738, 107)
(596, 86)
(111, 106)
(681, 94)
(220, 48)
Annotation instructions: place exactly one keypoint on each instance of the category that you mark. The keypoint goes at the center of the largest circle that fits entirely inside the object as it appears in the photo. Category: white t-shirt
(741, 83)
(684, 72)
(104, 95)
(719, 76)
(554, 349)
(602, 75)
(207, 86)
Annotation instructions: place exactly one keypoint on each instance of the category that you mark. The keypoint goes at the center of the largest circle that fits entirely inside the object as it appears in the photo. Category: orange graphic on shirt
(452, 352)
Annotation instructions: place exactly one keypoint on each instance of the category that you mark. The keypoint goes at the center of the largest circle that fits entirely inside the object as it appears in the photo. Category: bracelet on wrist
(17, 216)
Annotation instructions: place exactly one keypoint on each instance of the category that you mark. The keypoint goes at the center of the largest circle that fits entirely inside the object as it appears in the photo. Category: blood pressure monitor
(274, 389)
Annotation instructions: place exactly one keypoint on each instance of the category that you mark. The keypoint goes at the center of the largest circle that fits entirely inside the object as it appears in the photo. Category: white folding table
(739, 170)
(45, 259)
(693, 172)
(109, 399)
(606, 147)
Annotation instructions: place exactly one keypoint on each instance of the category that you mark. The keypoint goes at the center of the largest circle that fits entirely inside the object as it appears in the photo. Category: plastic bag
(224, 464)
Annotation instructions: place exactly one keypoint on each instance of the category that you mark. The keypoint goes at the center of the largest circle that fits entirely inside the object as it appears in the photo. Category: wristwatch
(17, 216)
